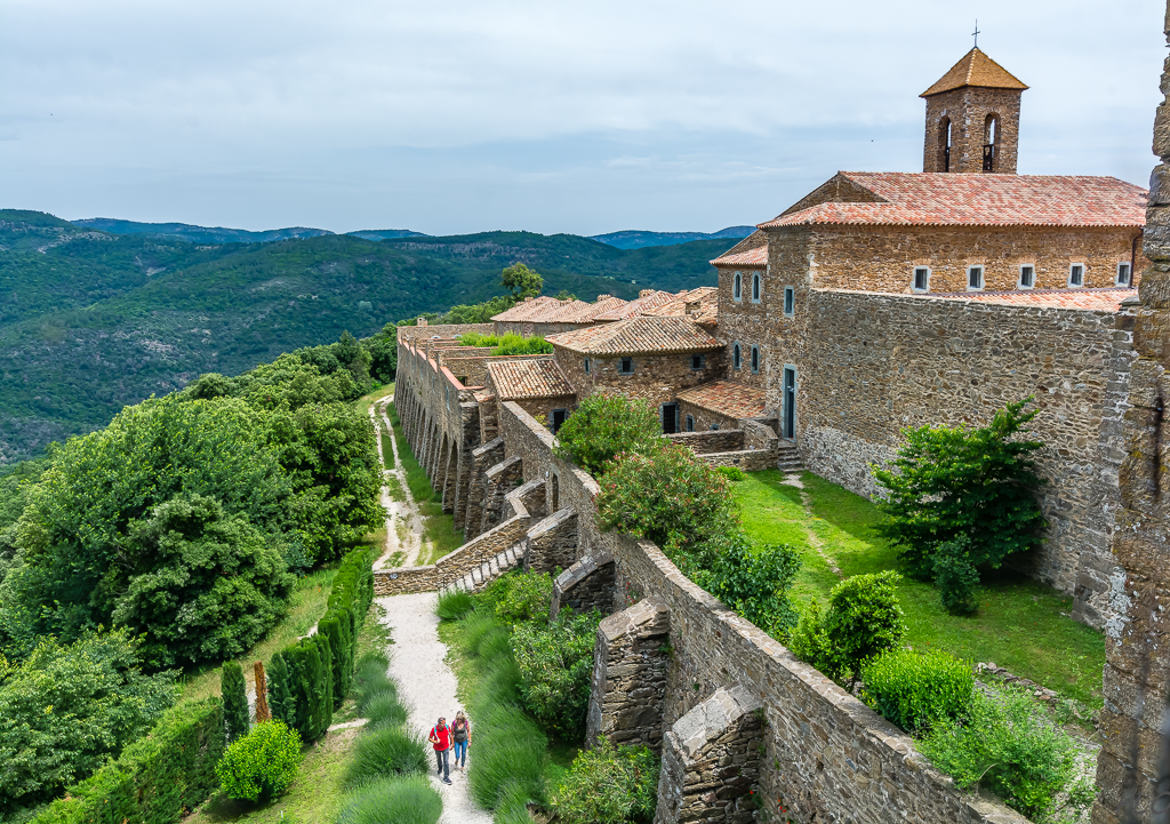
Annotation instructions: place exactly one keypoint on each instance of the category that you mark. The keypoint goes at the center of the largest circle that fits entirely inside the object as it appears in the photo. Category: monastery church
(879, 301)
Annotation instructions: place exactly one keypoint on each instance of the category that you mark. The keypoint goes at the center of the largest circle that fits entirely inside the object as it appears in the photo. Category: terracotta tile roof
(528, 378)
(640, 335)
(648, 299)
(532, 309)
(1096, 300)
(751, 251)
(604, 305)
(706, 298)
(729, 398)
(975, 69)
(941, 198)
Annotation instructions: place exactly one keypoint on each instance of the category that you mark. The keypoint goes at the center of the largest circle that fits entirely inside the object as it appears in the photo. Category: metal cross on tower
(975, 33)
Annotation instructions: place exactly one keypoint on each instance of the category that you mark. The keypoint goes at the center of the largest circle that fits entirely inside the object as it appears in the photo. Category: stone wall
(968, 108)
(704, 419)
(1133, 770)
(656, 378)
(883, 363)
(724, 440)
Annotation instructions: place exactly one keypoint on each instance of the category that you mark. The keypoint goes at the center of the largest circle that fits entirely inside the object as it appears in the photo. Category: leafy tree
(383, 349)
(521, 281)
(555, 660)
(67, 708)
(604, 426)
(962, 499)
(754, 581)
(353, 357)
(608, 785)
(235, 700)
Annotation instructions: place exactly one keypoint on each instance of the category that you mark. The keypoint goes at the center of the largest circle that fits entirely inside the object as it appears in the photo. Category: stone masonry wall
(883, 363)
(1133, 770)
(968, 108)
(704, 418)
(725, 440)
(656, 378)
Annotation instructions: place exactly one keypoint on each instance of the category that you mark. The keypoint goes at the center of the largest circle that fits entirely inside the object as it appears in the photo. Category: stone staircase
(482, 575)
(788, 457)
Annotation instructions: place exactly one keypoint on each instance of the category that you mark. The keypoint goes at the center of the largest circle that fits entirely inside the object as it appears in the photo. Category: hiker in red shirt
(440, 738)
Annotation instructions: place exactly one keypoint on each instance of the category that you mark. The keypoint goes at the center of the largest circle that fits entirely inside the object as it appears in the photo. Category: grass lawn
(1021, 625)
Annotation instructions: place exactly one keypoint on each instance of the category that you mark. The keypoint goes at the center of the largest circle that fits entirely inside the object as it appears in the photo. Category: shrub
(556, 665)
(403, 800)
(310, 681)
(1006, 745)
(261, 765)
(235, 700)
(604, 426)
(608, 785)
(956, 576)
(864, 619)
(385, 752)
(916, 690)
(280, 700)
(370, 675)
(810, 643)
(510, 754)
(731, 473)
(520, 597)
(383, 709)
(754, 581)
(671, 497)
(453, 605)
(972, 491)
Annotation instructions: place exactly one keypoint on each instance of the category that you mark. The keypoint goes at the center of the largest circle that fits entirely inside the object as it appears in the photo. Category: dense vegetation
(90, 321)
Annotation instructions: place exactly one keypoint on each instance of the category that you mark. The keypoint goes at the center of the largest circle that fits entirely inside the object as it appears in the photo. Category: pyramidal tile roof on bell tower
(975, 69)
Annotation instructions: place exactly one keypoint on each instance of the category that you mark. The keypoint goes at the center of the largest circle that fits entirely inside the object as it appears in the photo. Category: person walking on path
(440, 738)
(461, 737)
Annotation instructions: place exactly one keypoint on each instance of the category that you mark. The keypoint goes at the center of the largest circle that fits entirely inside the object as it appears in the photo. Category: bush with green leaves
(962, 500)
(809, 641)
(402, 800)
(917, 690)
(754, 581)
(310, 680)
(508, 344)
(236, 718)
(385, 751)
(608, 785)
(605, 426)
(1007, 745)
(261, 765)
(519, 597)
(66, 709)
(555, 660)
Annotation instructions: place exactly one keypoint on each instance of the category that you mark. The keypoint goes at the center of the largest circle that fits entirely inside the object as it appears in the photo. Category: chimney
(645, 293)
(528, 299)
(422, 321)
(692, 308)
(600, 298)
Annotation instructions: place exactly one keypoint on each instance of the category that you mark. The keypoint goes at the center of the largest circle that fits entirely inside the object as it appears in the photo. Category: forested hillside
(91, 321)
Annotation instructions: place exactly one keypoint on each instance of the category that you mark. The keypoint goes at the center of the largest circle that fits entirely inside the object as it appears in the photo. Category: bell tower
(973, 118)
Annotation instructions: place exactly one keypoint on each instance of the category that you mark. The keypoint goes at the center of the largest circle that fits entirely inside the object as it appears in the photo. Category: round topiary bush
(916, 690)
(262, 764)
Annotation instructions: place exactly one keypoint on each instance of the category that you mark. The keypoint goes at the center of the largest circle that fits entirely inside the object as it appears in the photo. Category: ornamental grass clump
(385, 752)
(402, 800)
(917, 690)
(262, 764)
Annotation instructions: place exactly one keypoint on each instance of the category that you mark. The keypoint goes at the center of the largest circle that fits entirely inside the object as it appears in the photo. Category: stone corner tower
(973, 118)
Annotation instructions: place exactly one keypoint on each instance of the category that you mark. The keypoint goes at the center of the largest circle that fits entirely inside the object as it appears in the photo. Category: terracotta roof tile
(729, 398)
(751, 251)
(532, 309)
(646, 301)
(528, 378)
(940, 198)
(975, 69)
(1096, 300)
(704, 298)
(640, 335)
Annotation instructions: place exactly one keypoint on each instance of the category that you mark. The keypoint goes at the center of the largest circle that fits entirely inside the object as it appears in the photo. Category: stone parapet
(587, 584)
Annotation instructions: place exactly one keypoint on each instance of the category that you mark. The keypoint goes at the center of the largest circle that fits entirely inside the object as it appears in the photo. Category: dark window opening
(921, 278)
(756, 288)
(736, 357)
(974, 277)
(990, 142)
(669, 418)
(557, 419)
(588, 366)
(1076, 275)
(789, 301)
(690, 423)
(737, 287)
(1123, 274)
(698, 362)
(944, 144)
(1027, 277)
(626, 366)
(755, 359)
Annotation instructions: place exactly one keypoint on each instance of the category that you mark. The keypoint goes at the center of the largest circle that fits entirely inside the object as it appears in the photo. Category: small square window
(1076, 274)
(626, 366)
(690, 423)
(974, 277)
(789, 301)
(1124, 274)
(714, 427)
(698, 362)
(921, 279)
(1027, 276)
(588, 366)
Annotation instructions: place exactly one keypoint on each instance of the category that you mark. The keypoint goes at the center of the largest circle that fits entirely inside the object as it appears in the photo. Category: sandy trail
(403, 523)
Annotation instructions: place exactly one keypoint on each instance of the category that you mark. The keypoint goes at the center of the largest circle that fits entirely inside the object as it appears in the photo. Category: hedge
(156, 779)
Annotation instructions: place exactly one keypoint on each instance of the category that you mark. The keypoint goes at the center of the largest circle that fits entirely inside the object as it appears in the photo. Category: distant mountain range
(94, 318)
(213, 235)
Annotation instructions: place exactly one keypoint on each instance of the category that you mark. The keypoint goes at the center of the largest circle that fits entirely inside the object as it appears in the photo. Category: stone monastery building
(877, 302)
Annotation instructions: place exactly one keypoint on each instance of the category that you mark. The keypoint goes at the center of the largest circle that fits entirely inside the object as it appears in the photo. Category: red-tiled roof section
(637, 336)
(700, 304)
(534, 309)
(604, 305)
(940, 198)
(975, 69)
(729, 398)
(528, 378)
(751, 251)
(648, 299)
(1094, 300)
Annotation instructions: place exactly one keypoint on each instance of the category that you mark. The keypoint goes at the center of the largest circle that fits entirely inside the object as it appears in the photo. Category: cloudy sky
(467, 115)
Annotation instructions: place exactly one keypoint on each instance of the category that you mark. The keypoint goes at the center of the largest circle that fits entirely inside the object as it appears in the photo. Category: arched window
(944, 144)
(737, 287)
(736, 357)
(756, 287)
(990, 142)
(755, 359)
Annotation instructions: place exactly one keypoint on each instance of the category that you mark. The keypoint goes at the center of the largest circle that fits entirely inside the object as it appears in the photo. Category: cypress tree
(323, 691)
(280, 699)
(330, 628)
(236, 717)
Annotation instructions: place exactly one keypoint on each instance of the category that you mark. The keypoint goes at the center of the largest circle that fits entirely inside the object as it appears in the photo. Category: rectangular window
(1124, 275)
(789, 301)
(698, 362)
(1027, 276)
(626, 366)
(588, 366)
(921, 278)
(974, 278)
(690, 423)
(1076, 274)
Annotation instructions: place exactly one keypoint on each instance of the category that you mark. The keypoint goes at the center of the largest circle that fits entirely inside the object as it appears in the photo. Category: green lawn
(1021, 625)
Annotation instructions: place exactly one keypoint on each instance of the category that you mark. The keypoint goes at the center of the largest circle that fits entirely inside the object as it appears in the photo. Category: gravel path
(403, 522)
(426, 686)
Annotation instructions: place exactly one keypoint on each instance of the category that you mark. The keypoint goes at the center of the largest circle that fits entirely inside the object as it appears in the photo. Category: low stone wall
(749, 460)
(702, 443)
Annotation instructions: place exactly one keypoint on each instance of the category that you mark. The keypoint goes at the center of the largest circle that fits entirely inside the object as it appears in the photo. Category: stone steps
(788, 459)
(479, 577)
